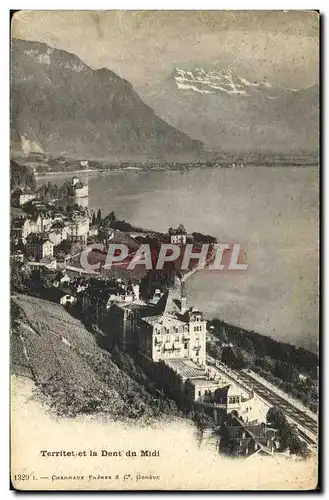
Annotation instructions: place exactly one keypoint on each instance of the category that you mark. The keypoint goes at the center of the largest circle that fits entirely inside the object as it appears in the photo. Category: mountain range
(61, 106)
(228, 112)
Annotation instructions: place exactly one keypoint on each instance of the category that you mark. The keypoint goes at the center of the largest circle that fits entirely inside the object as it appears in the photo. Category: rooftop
(57, 225)
(170, 301)
(135, 304)
(22, 190)
(165, 319)
(186, 368)
(38, 238)
(19, 223)
(204, 383)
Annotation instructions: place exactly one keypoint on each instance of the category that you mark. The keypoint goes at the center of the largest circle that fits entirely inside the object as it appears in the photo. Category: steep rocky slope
(72, 373)
(61, 106)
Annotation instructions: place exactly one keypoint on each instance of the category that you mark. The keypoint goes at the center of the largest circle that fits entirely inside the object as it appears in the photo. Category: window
(199, 393)
(233, 399)
(186, 345)
(177, 338)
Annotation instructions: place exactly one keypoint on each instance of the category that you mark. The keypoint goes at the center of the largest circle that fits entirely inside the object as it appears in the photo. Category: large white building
(175, 333)
(168, 333)
(164, 329)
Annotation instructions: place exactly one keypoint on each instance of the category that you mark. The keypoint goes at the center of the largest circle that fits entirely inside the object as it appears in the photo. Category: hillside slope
(61, 106)
(73, 374)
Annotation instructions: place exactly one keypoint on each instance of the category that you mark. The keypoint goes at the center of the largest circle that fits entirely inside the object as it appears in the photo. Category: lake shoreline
(106, 171)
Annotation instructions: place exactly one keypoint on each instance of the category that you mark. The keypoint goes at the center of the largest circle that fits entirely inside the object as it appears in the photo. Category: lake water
(272, 212)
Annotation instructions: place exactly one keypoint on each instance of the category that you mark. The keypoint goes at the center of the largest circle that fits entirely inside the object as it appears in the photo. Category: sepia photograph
(164, 250)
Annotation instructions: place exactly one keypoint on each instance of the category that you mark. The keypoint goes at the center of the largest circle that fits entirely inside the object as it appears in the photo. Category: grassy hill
(73, 374)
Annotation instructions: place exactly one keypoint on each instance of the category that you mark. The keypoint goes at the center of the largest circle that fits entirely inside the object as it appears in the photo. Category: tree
(21, 176)
(202, 420)
(99, 216)
(232, 358)
(19, 277)
(276, 418)
(285, 371)
(112, 217)
(248, 345)
(65, 246)
(287, 433)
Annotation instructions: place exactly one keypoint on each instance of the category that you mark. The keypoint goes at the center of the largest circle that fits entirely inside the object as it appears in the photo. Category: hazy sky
(144, 46)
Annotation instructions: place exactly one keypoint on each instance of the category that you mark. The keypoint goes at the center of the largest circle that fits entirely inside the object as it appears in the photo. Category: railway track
(306, 438)
(291, 411)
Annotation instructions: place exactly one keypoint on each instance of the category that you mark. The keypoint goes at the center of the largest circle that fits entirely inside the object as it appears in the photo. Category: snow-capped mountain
(225, 110)
(218, 80)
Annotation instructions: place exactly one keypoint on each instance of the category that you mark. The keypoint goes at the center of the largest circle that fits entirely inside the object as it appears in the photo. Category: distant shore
(66, 172)
(90, 171)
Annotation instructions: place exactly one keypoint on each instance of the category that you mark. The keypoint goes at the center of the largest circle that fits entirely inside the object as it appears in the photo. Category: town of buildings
(40, 226)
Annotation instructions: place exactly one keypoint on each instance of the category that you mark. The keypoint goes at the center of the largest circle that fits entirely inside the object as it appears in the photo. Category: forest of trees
(204, 238)
(21, 176)
(51, 191)
(287, 433)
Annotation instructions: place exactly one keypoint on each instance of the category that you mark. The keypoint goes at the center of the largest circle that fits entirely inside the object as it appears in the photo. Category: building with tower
(78, 189)
(161, 329)
(175, 332)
